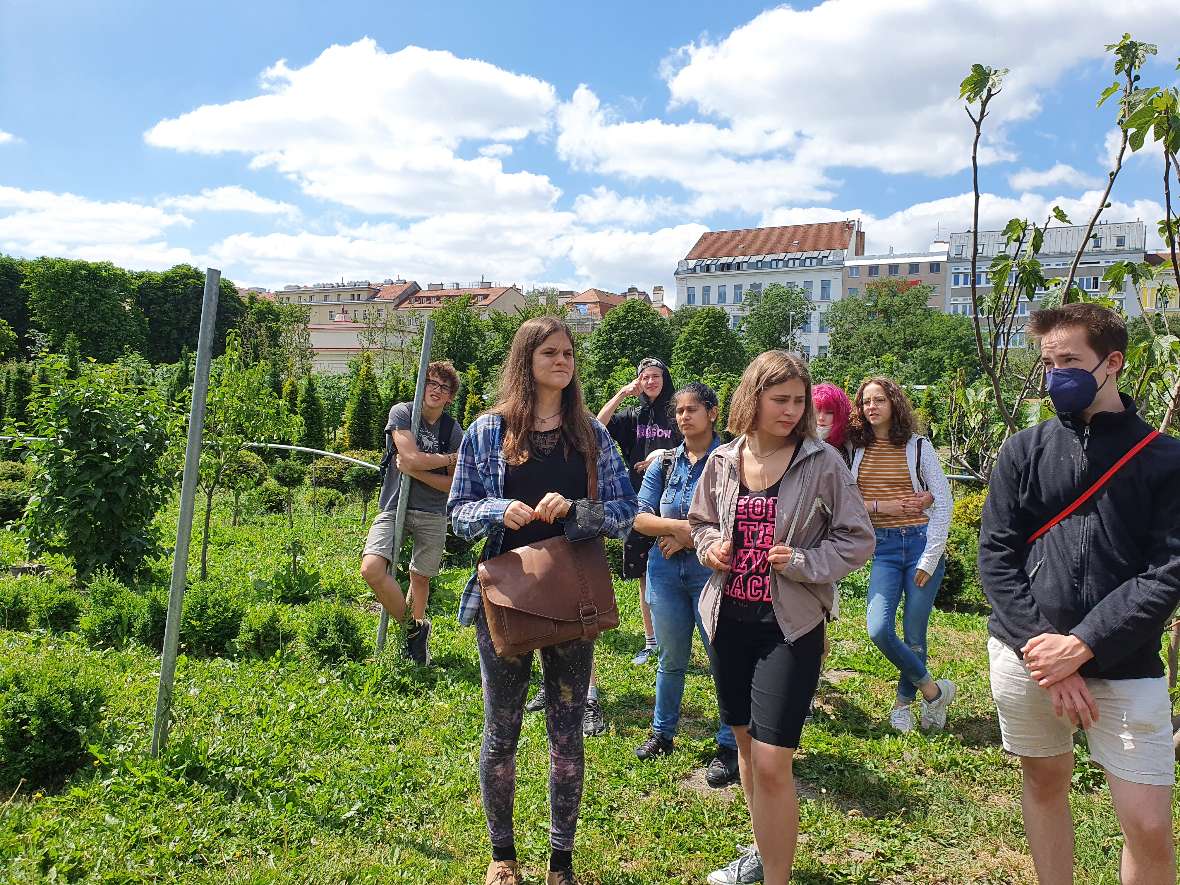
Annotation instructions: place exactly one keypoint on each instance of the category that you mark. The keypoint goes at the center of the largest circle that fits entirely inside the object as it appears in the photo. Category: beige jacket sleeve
(850, 540)
(703, 519)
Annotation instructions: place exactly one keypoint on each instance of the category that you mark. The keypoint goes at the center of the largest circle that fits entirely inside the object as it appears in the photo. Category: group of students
(746, 542)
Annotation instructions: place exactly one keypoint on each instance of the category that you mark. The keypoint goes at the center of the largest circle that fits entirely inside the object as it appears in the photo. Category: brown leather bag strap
(587, 610)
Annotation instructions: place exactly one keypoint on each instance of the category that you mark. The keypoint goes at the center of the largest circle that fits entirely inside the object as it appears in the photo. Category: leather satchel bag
(549, 592)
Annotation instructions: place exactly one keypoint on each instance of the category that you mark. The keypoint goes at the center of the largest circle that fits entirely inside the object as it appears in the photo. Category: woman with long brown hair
(909, 501)
(777, 518)
(522, 478)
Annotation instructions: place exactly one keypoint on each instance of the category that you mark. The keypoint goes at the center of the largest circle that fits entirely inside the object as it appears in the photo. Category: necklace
(550, 418)
(764, 459)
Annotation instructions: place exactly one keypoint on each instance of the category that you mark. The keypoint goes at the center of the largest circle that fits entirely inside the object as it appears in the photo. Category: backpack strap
(1093, 490)
(446, 430)
(668, 459)
(918, 464)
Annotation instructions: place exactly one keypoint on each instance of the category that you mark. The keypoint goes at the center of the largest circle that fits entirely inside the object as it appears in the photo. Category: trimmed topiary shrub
(13, 498)
(324, 500)
(153, 618)
(16, 607)
(55, 609)
(267, 630)
(115, 612)
(47, 711)
(329, 473)
(333, 633)
(210, 620)
(270, 497)
(15, 471)
(960, 585)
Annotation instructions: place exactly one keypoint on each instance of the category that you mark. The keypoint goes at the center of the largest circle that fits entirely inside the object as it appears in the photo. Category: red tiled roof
(394, 291)
(598, 296)
(424, 299)
(1157, 258)
(771, 240)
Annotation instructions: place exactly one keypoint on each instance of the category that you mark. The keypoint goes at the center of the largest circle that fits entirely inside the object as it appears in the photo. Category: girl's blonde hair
(768, 369)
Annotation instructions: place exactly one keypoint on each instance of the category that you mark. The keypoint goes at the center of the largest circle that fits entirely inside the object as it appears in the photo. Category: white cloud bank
(230, 198)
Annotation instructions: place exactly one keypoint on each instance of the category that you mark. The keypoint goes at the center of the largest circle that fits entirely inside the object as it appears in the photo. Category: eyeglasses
(435, 385)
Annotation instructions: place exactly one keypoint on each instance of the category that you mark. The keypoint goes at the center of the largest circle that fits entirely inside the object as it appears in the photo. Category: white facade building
(724, 267)
(1109, 242)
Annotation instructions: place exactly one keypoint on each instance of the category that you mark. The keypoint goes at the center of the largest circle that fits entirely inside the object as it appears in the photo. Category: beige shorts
(1132, 738)
(429, 531)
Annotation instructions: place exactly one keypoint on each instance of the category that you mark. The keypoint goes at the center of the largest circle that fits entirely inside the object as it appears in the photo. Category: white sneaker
(902, 719)
(934, 712)
(746, 870)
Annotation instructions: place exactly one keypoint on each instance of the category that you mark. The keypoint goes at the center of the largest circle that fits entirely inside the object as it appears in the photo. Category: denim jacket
(671, 501)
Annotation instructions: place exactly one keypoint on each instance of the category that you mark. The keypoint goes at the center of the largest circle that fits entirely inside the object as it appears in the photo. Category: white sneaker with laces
(746, 870)
(934, 712)
(902, 719)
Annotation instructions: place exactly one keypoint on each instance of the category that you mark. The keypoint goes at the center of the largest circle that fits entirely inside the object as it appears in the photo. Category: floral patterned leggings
(566, 669)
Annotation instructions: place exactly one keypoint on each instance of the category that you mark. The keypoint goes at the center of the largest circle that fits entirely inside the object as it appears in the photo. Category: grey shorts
(429, 531)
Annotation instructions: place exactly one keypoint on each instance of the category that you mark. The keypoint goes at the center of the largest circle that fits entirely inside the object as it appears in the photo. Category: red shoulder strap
(1102, 480)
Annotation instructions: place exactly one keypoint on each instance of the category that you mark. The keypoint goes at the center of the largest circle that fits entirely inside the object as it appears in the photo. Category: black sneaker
(593, 722)
(416, 643)
(723, 770)
(537, 703)
(656, 745)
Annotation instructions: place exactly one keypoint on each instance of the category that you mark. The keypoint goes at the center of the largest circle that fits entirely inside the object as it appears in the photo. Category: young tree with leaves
(459, 333)
(707, 344)
(627, 334)
(773, 318)
(311, 411)
(171, 301)
(94, 300)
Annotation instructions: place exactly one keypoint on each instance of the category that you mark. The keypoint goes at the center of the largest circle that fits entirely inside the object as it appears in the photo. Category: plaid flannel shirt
(477, 503)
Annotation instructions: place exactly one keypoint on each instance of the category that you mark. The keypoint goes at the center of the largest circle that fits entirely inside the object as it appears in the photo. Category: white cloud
(915, 227)
(496, 150)
(605, 205)
(7, 137)
(34, 223)
(870, 84)
(1059, 175)
(449, 247)
(379, 131)
(615, 259)
(718, 165)
(230, 198)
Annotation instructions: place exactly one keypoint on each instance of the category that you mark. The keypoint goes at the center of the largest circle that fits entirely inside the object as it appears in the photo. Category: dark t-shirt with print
(640, 431)
(422, 497)
(747, 593)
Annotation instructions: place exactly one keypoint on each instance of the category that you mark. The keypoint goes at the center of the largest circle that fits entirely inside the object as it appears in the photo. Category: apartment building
(1109, 242)
(724, 267)
(916, 268)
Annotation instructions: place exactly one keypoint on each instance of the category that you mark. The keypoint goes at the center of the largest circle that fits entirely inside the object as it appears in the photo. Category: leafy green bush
(101, 475)
(55, 608)
(210, 620)
(960, 585)
(270, 497)
(153, 618)
(13, 498)
(333, 633)
(15, 604)
(47, 710)
(329, 473)
(293, 583)
(15, 471)
(325, 500)
(267, 630)
(115, 613)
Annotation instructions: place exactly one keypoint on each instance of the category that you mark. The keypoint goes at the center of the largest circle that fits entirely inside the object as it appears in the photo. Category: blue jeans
(673, 589)
(892, 577)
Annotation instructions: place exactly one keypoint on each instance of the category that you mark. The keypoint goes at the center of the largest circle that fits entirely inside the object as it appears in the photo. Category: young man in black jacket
(1078, 614)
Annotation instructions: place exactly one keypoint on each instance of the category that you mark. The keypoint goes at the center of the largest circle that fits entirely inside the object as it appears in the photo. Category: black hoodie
(1110, 572)
(640, 431)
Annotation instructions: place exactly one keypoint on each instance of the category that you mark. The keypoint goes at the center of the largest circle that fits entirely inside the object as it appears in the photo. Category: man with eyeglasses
(429, 461)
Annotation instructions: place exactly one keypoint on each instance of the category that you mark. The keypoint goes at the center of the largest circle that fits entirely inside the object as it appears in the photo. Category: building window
(737, 293)
(721, 294)
(706, 291)
(807, 350)
(807, 324)
(913, 268)
(1120, 242)
(734, 319)
(331, 316)
(825, 290)
(823, 321)
(1162, 301)
(807, 289)
(854, 271)
(959, 251)
(756, 287)
(1096, 241)
(894, 269)
(936, 267)
(874, 270)
(692, 294)
(852, 292)
(776, 263)
(809, 262)
(823, 350)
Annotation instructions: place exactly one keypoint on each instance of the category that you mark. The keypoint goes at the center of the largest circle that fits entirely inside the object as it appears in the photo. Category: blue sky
(575, 144)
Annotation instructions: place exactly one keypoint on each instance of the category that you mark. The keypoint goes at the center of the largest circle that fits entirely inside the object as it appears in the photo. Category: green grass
(282, 771)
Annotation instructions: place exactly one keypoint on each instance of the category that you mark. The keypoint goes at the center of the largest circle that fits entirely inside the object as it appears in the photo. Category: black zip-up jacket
(1110, 572)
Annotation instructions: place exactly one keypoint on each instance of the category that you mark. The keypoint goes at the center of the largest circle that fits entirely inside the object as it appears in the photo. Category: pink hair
(830, 398)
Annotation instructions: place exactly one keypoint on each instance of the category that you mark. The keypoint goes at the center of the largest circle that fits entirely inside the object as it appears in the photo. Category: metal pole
(403, 492)
(184, 526)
